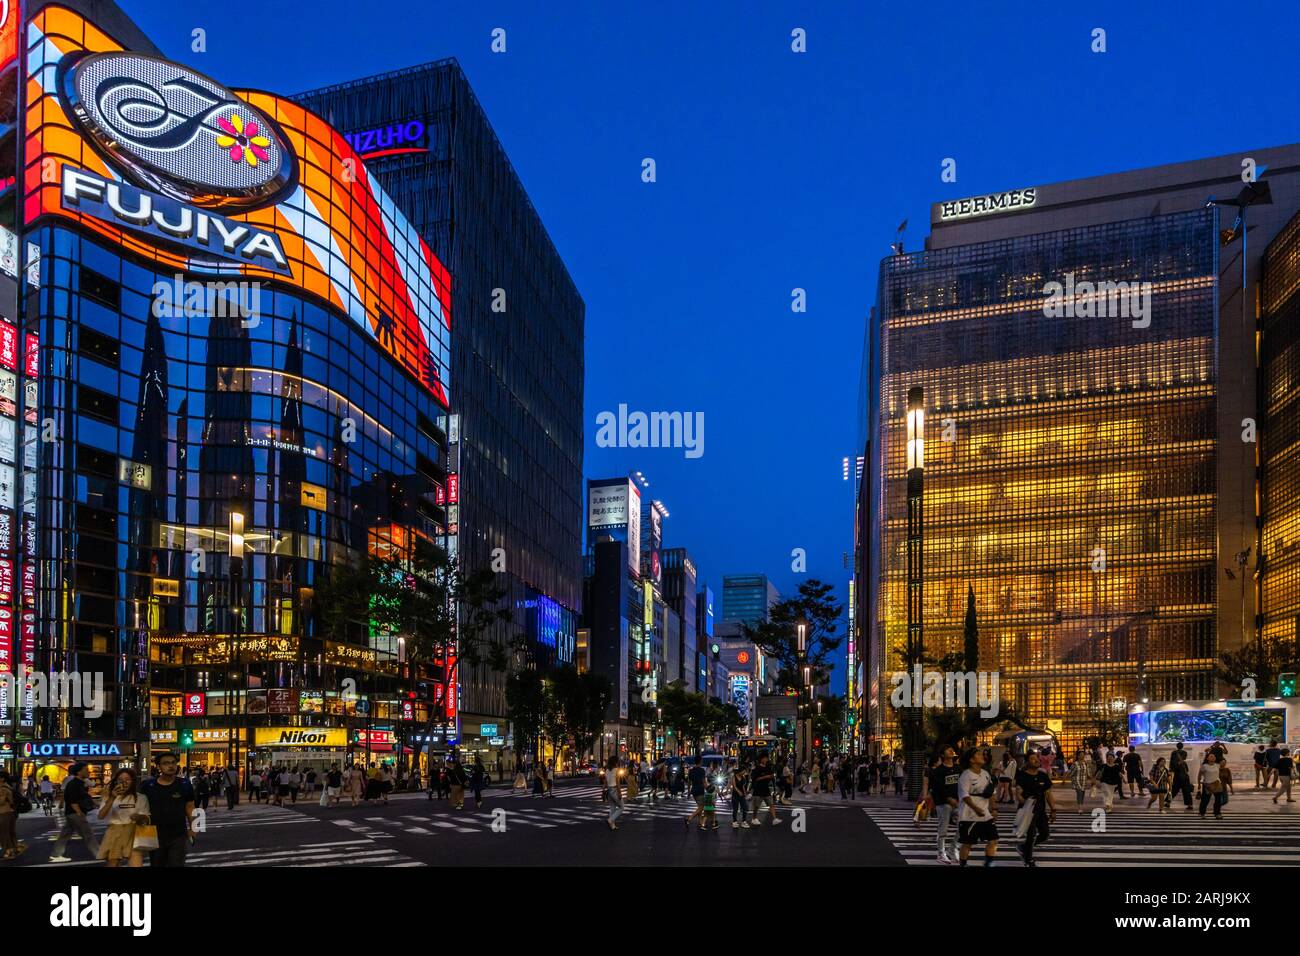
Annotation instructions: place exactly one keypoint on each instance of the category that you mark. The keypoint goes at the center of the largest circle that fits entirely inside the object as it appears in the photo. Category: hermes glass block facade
(1070, 466)
(1280, 438)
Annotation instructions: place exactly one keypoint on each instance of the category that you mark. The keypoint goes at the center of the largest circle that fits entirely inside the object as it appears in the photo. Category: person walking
(171, 810)
(9, 817)
(900, 774)
(457, 777)
(231, 785)
(1158, 785)
(255, 785)
(943, 780)
(123, 808)
(709, 821)
(356, 785)
(1133, 772)
(202, 789)
(1260, 759)
(1181, 773)
(1080, 778)
(1006, 775)
(1285, 771)
(613, 791)
(77, 805)
(1111, 781)
(1211, 786)
(1271, 756)
(333, 785)
(738, 785)
(478, 780)
(977, 817)
(698, 778)
(761, 782)
(1037, 807)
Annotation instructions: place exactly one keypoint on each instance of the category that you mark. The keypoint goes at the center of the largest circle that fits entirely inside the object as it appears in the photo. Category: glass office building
(746, 598)
(1069, 468)
(517, 346)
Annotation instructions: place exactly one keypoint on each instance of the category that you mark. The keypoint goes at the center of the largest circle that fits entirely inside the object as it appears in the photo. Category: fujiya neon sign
(171, 220)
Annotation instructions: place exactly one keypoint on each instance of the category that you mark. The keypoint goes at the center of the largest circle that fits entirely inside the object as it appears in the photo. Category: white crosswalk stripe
(1129, 839)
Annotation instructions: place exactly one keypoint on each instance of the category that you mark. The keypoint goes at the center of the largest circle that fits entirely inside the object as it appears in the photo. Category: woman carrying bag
(129, 832)
(1158, 785)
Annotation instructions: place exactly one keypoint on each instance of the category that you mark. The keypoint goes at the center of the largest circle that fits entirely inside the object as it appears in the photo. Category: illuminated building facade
(1280, 437)
(241, 351)
(1085, 471)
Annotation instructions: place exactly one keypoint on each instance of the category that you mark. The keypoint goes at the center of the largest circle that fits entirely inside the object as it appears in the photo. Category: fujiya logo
(76, 909)
(176, 131)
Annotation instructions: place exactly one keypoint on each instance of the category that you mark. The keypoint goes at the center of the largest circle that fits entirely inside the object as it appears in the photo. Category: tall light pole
(803, 725)
(913, 742)
(235, 542)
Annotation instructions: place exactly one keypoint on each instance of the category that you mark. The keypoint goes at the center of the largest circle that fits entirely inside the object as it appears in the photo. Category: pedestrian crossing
(537, 815)
(357, 852)
(1130, 838)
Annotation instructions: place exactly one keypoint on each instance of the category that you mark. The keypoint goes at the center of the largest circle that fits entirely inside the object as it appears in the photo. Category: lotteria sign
(300, 736)
(78, 749)
(1013, 200)
(172, 167)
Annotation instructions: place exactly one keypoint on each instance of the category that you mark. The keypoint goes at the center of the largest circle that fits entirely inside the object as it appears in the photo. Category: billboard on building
(243, 185)
(614, 508)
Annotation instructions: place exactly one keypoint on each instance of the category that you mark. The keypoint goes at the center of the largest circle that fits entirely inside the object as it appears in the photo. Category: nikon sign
(301, 737)
(1013, 200)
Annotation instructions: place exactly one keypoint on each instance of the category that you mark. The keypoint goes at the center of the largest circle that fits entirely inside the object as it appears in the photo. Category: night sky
(775, 171)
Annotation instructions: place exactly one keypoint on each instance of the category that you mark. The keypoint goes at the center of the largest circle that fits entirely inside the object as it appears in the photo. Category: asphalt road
(513, 830)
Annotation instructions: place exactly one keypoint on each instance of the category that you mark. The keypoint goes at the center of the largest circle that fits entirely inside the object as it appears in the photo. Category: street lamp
(913, 744)
(803, 727)
(235, 545)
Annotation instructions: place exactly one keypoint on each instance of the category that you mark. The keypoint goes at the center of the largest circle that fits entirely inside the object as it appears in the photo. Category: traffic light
(1286, 684)
(187, 739)
(817, 741)
(853, 718)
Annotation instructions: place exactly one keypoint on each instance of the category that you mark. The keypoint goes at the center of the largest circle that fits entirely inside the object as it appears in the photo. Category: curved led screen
(177, 190)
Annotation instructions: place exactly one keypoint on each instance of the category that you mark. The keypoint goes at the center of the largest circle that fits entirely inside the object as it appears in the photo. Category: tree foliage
(778, 639)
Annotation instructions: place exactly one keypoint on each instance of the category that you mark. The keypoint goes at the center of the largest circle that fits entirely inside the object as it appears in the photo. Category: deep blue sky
(776, 170)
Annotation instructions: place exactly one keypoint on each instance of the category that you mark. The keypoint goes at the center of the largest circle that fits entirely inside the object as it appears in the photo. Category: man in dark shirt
(1034, 791)
(1182, 775)
(1261, 767)
(943, 791)
(698, 778)
(1285, 771)
(1271, 756)
(171, 809)
(762, 790)
(77, 805)
(1133, 771)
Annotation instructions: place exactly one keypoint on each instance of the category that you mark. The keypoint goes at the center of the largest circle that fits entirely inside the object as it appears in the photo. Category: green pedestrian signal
(1286, 684)
(187, 739)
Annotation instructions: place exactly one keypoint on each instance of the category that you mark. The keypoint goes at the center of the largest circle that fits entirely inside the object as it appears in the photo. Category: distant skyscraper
(746, 598)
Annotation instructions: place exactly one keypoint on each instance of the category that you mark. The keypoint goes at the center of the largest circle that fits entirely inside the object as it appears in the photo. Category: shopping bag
(520, 782)
(1024, 818)
(325, 797)
(922, 812)
(146, 837)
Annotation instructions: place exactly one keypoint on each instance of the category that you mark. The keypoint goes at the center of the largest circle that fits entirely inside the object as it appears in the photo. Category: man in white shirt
(976, 816)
